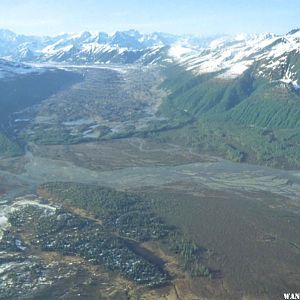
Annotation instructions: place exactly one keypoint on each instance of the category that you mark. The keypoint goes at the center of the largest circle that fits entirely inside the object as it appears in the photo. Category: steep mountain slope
(23, 87)
(242, 96)
(255, 81)
(231, 57)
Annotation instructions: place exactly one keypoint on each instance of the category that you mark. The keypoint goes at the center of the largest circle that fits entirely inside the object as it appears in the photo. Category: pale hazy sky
(173, 16)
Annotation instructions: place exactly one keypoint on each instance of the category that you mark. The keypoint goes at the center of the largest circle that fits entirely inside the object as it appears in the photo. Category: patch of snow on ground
(6, 266)
(6, 210)
(4, 224)
(24, 202)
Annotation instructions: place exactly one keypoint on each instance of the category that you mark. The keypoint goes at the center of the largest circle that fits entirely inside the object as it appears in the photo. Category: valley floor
(239, 222)
(248, 216)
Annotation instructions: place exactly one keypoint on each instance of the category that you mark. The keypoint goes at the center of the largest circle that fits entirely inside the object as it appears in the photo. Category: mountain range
(149, 166)
(274, 56)
(234, 87)
(91, 47)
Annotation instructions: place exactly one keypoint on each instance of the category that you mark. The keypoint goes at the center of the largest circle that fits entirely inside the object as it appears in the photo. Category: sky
(200, 17)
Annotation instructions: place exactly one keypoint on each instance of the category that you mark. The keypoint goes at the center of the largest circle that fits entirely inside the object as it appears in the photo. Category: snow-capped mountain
(267, 55)
(248, 80)
(93, 47)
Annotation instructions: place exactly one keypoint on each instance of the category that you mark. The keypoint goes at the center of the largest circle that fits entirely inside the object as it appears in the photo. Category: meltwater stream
(217, 174)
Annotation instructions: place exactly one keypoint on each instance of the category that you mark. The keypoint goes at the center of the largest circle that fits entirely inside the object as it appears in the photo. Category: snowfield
(231, 57)
(227, 56)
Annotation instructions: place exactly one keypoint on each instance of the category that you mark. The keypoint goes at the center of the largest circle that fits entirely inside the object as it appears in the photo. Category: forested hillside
(247, 118)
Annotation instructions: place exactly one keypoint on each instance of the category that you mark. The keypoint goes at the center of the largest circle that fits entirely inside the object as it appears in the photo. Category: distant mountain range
(92, 47)
(240, 93)
(275, 57)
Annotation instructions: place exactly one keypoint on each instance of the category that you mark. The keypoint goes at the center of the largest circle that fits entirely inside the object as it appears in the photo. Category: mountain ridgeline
(124, 47)
(238, 97)
(246, 107)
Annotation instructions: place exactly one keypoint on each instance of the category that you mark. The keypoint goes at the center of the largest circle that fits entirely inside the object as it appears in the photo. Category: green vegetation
(223, 222)
(243, 119)
(131, 216)
(50, 136)
(9, 147)
(127, 213)
(276, 148)
(189, 254)
(61, 231)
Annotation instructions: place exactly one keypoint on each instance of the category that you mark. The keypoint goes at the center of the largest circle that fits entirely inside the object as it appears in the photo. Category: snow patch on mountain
(230, 57)
(178, 51)
(290, 79)
(227, 56)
